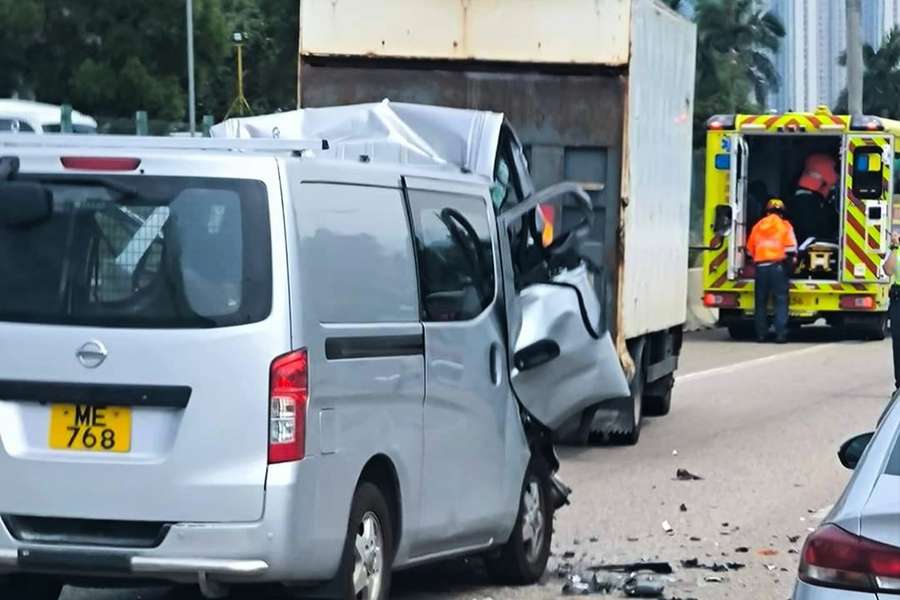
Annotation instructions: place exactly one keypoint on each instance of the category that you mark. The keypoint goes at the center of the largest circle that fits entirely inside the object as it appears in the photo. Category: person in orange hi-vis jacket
(772, 245)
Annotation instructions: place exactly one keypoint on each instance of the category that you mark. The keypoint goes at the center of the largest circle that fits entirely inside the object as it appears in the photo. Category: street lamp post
(192, 111)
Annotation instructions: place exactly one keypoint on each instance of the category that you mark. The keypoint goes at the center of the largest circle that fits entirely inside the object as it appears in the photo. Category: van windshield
(137, 252)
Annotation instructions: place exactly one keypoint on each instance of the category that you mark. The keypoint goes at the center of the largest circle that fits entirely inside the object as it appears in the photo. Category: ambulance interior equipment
(775, 165)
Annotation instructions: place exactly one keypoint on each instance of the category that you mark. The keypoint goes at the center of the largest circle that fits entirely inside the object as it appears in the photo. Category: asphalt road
(761, 425)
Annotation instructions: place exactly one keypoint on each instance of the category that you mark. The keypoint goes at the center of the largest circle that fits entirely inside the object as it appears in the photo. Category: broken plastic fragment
(643, 587)
(685, 475)
(667, 527)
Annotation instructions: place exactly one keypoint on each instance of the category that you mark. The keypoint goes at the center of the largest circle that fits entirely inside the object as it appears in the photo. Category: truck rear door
(867, 191)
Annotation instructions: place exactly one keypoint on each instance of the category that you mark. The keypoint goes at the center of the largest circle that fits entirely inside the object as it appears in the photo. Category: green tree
(881, 78)
(735, 45)
(109, 58)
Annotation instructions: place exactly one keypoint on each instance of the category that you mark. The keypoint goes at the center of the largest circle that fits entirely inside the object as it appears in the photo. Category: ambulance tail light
(720, 300)
(866, 123)
(719, 122)
(857, 302)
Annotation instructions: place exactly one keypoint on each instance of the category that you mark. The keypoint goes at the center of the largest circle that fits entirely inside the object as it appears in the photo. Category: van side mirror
(536, 354)
(852, 450)
(722, 220)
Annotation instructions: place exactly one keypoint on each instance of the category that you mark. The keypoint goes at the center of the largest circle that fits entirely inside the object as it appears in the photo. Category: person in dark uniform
(812, 210)
(890, 267)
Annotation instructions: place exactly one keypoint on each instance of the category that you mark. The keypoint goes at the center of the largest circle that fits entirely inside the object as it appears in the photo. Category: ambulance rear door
(867, 193)
(737, 199)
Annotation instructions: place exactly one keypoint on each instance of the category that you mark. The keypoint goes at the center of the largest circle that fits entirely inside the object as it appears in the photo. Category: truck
(838, 275)
(600, 92)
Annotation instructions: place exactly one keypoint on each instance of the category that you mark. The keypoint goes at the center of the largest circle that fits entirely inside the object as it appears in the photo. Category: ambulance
(838, 276)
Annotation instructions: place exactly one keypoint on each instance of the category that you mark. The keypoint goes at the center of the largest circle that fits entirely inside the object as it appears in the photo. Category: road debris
(715, 567)
(685, 475)
(793, 538)
(742, 549)
(643, 587)
(714, 579)
(683, 508)
(667, 527)
(767, 552)
(658, 567)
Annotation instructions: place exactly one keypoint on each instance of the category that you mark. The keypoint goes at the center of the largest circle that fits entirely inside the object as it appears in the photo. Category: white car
(25, 116)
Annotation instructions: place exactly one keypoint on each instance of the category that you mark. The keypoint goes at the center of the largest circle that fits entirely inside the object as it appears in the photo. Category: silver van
(239, 362)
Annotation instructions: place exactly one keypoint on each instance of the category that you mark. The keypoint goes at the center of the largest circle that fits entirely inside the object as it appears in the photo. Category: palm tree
(736, 42)
(881, 78)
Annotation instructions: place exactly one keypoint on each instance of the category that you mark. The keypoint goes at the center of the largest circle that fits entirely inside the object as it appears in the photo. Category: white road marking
(749, 364)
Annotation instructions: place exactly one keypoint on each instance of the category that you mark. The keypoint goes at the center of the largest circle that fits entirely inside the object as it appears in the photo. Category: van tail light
(857, 302)
(720, 300)
(100, 163)
(288, 396)
(836, 558)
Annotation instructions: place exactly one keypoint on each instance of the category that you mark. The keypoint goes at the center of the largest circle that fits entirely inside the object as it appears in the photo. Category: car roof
(40, 112)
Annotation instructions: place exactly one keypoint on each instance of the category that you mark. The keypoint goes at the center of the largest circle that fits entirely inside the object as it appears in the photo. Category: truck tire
(878, 329)
(30, 587)
(658, 403)
(523, 559)
(635, 410)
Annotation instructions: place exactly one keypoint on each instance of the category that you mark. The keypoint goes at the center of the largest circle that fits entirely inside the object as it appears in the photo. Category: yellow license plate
(90, 428)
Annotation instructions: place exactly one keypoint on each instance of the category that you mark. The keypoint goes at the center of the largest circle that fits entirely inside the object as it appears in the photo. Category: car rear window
(148, 251)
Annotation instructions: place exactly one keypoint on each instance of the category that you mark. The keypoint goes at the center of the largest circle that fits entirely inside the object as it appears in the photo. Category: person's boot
(781, 338)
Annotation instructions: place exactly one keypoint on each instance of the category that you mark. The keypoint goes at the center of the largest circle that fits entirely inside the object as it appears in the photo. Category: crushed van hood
(385, 131)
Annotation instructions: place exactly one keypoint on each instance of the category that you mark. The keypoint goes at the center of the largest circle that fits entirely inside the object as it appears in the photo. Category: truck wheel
(523, 559)
(658, 403)
(741, 331)
(31, 587)
(636, 412)
(369, 547)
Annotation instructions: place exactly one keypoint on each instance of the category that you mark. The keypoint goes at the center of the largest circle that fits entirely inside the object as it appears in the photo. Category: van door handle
(494, 366)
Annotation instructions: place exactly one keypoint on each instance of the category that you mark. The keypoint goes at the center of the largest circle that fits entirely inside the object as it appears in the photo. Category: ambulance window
(868, 180)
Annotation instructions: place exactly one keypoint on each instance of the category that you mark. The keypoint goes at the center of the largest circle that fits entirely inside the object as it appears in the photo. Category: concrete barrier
(698, 316)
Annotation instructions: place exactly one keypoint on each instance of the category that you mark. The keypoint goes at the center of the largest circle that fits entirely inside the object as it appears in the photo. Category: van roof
(40, 112)
(304, 151)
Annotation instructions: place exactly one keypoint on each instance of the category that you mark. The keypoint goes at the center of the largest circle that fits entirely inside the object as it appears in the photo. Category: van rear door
(868, 189)
(139, 317)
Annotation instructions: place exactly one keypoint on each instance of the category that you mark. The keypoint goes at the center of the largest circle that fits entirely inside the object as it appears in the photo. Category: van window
(140, 252)
(359, 257)
(456, 258)
(15, 125)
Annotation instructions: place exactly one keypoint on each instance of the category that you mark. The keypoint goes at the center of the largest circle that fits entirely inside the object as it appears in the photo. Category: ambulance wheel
(30, 587)
(877, 329)
(741, 331)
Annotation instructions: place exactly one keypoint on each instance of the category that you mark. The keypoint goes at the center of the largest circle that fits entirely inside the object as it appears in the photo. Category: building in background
(816, 37)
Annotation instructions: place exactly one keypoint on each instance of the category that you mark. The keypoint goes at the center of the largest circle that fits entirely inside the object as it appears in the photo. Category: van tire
(368, 510)
(30, 587)
(634, 410)
(523, 561)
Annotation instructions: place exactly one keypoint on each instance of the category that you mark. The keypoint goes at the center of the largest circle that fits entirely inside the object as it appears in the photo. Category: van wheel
(523, 559)
(369, 547)
(30, 586)
(659, 403)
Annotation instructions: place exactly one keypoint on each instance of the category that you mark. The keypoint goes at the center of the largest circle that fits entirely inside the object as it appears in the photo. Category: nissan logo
(92, 354)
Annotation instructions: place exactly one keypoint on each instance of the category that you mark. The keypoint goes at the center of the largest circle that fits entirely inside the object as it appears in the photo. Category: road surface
(761, 425)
